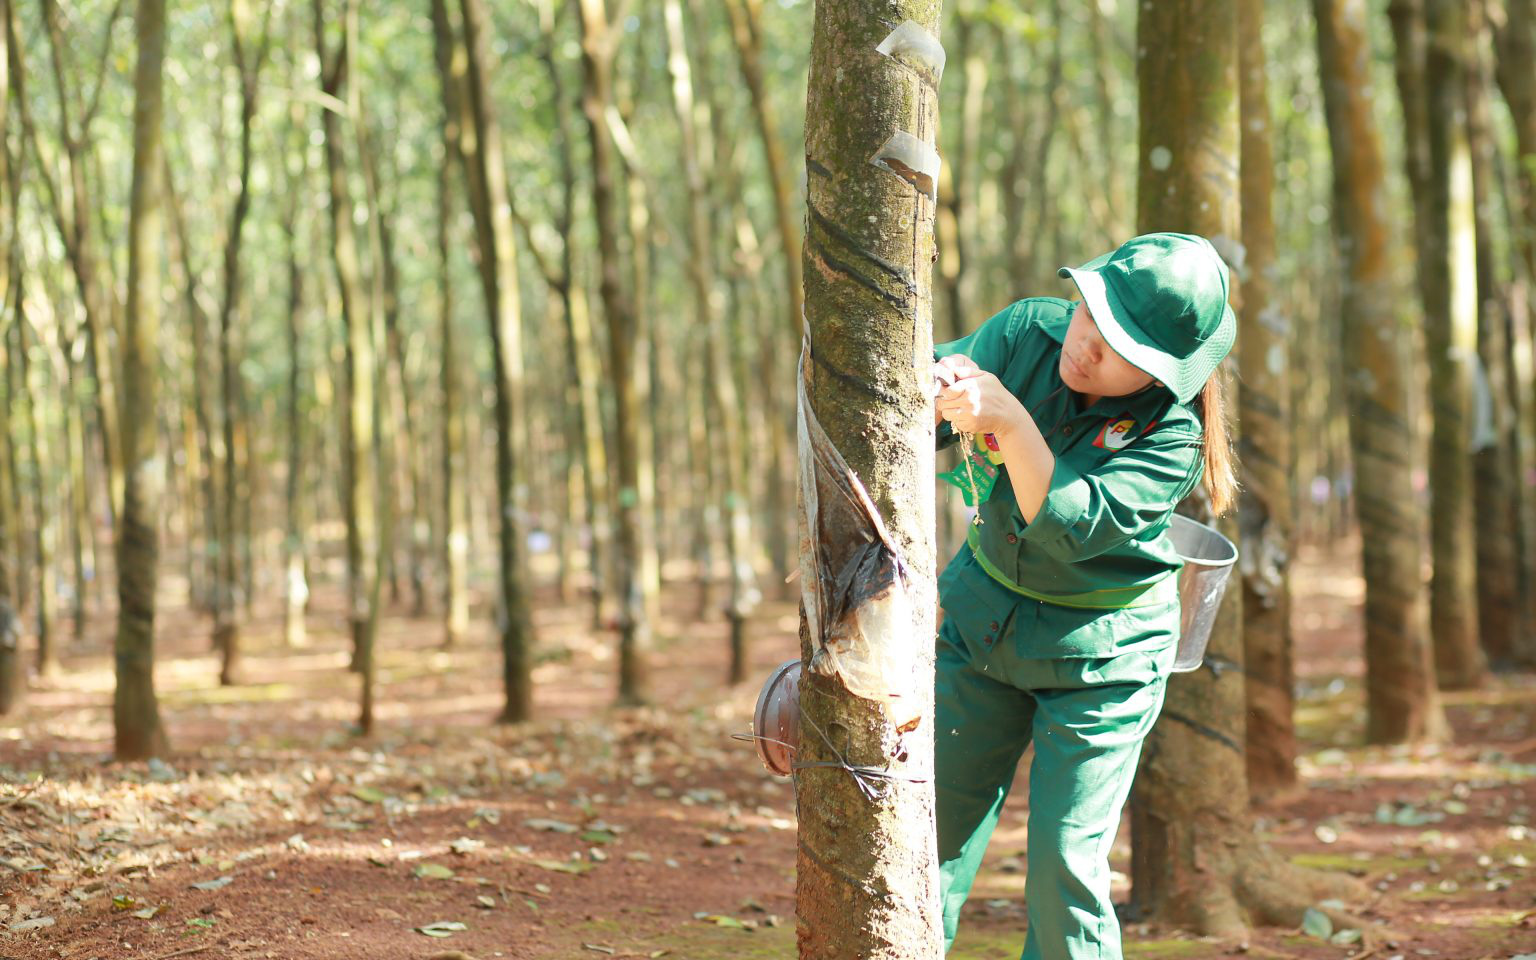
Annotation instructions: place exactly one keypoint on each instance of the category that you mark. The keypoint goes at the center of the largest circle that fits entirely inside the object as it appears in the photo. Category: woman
(1062, 609)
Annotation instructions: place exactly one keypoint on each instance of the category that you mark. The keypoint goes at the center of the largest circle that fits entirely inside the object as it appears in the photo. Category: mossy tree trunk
(359, 485)
(13, 672)
(204, 455)
(867, 870)
(709, 318)
(489, 202)
(1497, 475)
(1195, 860)
(1516, 75)
(627, 365)
(1267, 540)
(75, 209)
(44, 527)
(587, 428)
(1431, 47)
(746, 31)
(295, 540)
(236, 461)
(135, 711)
(451, 67)
(1402, 702)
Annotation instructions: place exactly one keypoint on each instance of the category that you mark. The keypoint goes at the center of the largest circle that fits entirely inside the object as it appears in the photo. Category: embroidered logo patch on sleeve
(1116, 433)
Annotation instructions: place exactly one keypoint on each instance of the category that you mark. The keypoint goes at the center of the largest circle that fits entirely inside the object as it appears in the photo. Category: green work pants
(1087, 719)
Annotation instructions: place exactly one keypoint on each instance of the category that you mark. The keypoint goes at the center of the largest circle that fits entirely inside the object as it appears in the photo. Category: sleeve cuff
(1066, 501)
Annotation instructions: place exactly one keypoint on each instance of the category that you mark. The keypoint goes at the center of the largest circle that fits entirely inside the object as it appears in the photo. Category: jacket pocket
(981, 609)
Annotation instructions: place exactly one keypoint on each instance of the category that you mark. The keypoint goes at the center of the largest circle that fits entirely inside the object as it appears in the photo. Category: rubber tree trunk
(709, 319)
(1496, 464)
(627, 364)
(1516, 75)
(45, 517)
(1195, 859)
(1402, 703)
(746, 31)
(486, 168)
(13, 671)
(455, 501)
(206, 453)
(1189, 807)
(1267, 540)
(1431, 45)
(135, 711)
(590, 437)
(236, 460)
(295, 543)
(92, 271)
(359, 493)
(867, 870)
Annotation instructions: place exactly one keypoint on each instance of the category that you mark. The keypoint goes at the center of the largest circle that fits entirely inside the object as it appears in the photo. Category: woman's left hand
(979, 403)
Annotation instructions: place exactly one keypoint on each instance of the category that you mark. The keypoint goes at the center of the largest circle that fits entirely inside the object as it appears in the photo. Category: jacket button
(994, 626)
(1013, 538)
(986, 639)
(1067, 429)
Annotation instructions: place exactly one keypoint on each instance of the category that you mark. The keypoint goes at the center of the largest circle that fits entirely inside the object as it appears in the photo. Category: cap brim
(1147, 359)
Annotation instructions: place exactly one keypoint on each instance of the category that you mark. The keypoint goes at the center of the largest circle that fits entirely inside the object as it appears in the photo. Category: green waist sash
(1164, 589)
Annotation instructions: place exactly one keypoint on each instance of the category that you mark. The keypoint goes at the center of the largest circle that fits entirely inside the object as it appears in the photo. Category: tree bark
(489, 202)
(1264, 518)
(1496, 462)
(135, 711)
(710, 320)
(1430, 51)
(236, 458)
(867, 871)
(1195, 860)
(13, 673)
(450, 68)
(1516, 76)
(746, 32)
(295, 543)
(45, 517)
(627, 361)
(359, 498)
(1402, 703)
(76, 228)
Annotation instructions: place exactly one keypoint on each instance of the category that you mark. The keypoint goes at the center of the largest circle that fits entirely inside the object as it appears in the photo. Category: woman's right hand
(945, 373)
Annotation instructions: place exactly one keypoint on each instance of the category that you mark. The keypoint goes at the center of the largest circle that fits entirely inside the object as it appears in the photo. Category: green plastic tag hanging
(975, 475)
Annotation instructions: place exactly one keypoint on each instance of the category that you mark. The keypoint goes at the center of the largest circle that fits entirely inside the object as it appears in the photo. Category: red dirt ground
(681, 841)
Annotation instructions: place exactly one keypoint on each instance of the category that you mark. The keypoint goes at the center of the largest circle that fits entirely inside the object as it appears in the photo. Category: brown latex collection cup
(776, 722)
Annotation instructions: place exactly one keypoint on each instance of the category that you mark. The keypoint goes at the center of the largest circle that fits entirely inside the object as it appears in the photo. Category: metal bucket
(1208, 560)
(776, 721)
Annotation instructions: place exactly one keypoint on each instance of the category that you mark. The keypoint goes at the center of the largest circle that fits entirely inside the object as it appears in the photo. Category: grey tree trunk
(867, 870)
(295, 541)
(236, 464)
(709, 318)
(135, 711)
(455, 501)
(359, 496)
(489, 202)
(627, 369)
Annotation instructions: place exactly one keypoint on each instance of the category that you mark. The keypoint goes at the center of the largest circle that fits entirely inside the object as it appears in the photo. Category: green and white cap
(1160, 301)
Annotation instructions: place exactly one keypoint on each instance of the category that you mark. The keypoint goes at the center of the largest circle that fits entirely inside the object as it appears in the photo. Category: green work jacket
(1094, 574)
